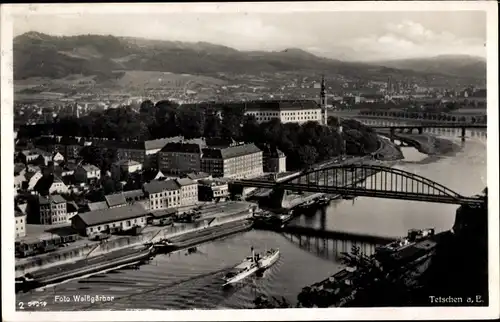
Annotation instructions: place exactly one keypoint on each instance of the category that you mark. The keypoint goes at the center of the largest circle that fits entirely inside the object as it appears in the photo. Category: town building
(57, 158)
(189, 191)
(212, 190)
(124, 167)
(33, 156)
(107, 221)
(163, 194)
(20, 224)
(237, 161)
(136, 196)
(286, 111)
(273, 159)
(179, 158)
(87, 173)
(32, 179)
(53, 210)
(50, 184)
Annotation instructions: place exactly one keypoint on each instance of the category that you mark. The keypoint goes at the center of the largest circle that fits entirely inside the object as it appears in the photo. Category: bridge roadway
(431, 125)
(362, 192)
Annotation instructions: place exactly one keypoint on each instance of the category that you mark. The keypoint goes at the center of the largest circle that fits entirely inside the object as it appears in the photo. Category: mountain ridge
(42, 55)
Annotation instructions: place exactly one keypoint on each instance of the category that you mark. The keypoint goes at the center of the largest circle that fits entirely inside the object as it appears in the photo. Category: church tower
(322, 96)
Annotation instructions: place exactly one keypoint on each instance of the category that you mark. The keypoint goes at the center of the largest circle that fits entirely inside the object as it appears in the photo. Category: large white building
(287, 111)
(290, 111)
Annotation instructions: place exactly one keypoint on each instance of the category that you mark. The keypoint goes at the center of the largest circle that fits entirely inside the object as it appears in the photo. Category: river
(187, 281)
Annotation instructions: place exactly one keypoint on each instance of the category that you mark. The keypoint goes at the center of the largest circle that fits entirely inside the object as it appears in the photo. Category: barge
(83, 267)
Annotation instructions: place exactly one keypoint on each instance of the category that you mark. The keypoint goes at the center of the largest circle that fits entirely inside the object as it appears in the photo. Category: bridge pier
(463, 133)
(420, 130)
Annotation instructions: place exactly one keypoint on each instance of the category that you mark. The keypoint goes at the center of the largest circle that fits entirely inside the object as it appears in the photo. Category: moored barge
(61, 273)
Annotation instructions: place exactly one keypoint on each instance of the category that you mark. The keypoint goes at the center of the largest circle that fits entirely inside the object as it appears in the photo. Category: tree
(307, 155)
(191, 122)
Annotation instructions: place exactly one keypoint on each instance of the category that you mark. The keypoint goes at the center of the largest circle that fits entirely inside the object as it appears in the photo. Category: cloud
(408, 39)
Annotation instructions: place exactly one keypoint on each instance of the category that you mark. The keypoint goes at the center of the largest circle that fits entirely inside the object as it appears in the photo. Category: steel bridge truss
(368, 181)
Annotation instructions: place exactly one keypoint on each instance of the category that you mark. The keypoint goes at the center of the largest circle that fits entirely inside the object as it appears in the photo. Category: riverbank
(224, 213)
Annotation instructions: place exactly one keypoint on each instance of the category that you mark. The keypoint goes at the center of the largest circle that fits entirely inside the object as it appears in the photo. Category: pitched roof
(280, 105)
(90, 167)
(115, 199)
(160, 143)
(127, 162)
(231, 152)
(181, 147)
(57, 199)
(132, 194)
(198, 175)
(156, 186)
(93, 206)
(185, 182)
(113, 214)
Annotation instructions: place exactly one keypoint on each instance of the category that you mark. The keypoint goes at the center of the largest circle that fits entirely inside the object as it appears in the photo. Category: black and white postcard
(250, 161)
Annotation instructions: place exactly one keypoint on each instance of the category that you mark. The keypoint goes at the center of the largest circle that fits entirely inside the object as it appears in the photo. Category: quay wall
(150, 234)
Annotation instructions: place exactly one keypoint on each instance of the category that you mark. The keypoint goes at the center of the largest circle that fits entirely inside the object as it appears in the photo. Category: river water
(182, 281)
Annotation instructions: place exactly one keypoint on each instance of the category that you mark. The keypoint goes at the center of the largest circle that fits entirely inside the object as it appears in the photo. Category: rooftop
(198, 175)
(185, 182)
(103, 216)
(156, 186)
(231, 152)
(182, 147)
(93, 206)
(115, 199)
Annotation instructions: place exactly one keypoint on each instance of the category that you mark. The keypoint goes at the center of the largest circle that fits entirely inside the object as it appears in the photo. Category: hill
(453, 65)
(41, 55)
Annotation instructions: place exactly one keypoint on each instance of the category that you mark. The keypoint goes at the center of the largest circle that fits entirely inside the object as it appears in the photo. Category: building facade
(210, 190)
(20, 224)
(163, 194)
(189, 191)
(238, 161)
(106, 221)
(274, 160)
(87, 173)
(53, 210)
(180, 158)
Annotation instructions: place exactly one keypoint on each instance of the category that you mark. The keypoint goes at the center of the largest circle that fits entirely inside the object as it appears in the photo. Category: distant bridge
(350, 180)
(420, 127)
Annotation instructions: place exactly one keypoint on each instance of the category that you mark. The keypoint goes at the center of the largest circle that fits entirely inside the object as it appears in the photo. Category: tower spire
(322, 96)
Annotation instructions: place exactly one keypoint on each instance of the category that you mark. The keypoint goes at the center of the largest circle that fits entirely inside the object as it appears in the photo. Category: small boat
(248, 267)
(269, 259)
(251, 265)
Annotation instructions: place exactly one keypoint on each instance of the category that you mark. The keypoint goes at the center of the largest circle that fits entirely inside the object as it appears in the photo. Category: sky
(349, 35)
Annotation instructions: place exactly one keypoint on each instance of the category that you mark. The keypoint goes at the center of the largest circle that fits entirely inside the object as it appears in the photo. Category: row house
(237, 161)
(50, 184)
(163, 194)
(121, 167)
(210, 190)
(145, 152)
(189, 191)
(179, 158)
(87, 173)
(53, 210)
(273, 159)
(20, 219)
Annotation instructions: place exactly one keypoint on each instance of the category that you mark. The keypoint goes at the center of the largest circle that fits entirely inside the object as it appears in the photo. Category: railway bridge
(362, 180)
(393, 129)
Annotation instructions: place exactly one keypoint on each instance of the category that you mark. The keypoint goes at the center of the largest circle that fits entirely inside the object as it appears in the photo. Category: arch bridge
(364, 180)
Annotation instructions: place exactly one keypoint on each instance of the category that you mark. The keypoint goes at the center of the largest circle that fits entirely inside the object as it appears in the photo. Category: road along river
(188, 281)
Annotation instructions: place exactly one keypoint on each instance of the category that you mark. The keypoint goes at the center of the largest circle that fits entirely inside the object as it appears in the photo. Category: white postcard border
(8, 298)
